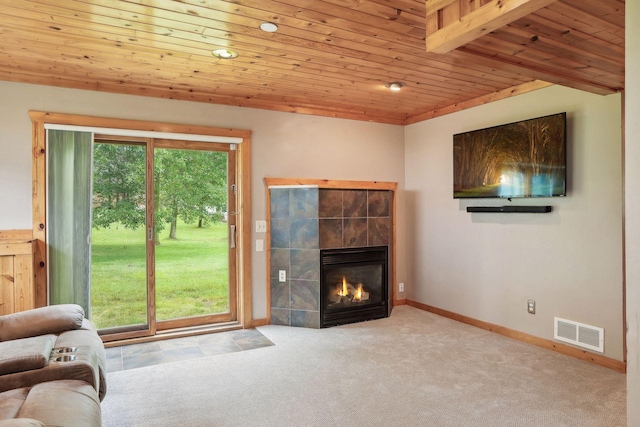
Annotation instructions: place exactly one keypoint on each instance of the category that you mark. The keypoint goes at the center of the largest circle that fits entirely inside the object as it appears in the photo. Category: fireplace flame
(358, 294)
(346, 292)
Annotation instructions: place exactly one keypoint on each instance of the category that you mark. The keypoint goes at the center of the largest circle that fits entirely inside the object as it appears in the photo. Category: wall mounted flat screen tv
(521, 159)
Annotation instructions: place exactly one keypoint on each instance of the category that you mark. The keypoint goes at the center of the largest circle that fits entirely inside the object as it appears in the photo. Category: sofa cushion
(11, 402)
(21, 422)
(25, 354)
(10, 406)
(52, 319)
(68, 403)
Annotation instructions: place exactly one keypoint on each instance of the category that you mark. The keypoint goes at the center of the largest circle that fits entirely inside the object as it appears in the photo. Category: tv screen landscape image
(521, 159)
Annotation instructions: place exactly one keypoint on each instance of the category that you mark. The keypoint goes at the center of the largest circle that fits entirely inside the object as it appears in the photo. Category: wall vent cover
(579, 334)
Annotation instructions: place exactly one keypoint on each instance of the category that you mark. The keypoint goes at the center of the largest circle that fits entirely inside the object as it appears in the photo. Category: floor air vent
(579, 334)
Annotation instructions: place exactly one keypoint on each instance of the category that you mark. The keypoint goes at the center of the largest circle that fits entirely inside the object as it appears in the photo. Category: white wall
(486, 266)
(632, 207)
(283, 145)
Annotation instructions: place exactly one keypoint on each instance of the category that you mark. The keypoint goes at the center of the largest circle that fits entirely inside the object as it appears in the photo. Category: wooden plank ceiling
(328, 57)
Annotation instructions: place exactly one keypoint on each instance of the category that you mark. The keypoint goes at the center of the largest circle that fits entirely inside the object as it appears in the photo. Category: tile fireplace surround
(303, 221)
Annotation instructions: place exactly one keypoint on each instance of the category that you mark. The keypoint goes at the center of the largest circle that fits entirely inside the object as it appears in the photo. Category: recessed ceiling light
(395, 85)
(225, 53)
(269, 27)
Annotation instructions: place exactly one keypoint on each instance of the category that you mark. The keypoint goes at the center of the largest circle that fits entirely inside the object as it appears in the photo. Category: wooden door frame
(232, 316)
(243, 173)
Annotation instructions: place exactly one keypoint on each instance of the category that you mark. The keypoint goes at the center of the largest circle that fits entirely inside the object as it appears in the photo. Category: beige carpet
(412, 369)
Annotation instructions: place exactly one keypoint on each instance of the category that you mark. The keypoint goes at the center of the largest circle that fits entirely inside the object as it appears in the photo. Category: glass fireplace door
(353, 285)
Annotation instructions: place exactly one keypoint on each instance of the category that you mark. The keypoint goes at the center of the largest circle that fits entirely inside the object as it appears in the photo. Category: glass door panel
(119, 237)
(192, 254)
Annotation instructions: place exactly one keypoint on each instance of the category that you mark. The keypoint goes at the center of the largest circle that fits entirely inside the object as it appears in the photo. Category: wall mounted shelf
(510, 209)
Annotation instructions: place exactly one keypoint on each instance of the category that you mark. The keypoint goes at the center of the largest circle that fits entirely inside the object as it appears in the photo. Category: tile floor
(175, 349)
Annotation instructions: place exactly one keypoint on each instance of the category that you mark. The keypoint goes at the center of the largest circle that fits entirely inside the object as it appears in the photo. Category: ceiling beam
(453, 23)
(468, 56)
(481, 100)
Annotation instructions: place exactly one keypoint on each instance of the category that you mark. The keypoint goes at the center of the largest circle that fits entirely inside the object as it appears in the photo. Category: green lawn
(191, 274)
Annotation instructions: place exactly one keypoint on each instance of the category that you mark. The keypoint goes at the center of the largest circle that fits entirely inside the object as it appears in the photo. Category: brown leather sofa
(52, 368)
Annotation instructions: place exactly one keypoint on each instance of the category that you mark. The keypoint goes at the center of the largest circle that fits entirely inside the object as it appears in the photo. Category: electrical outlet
(531, 306)
(400, 287)
(259, 245)
(282, 275)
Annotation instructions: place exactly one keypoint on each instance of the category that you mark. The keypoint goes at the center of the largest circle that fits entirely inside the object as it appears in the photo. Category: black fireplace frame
(345, 256)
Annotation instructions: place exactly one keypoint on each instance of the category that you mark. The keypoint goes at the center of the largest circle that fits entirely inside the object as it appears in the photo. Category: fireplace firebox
(353, 285)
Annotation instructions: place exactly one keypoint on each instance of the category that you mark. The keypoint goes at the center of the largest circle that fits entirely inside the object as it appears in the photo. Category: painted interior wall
(283, 145)
(632, 207)
(486, 266)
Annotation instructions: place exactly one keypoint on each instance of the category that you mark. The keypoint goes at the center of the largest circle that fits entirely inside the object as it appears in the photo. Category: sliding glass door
(157, 245)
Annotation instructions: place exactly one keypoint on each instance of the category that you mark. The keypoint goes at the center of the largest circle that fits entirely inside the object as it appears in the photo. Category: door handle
(232, 231)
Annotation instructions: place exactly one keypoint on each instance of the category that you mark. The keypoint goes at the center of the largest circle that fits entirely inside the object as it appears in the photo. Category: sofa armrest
(25, 354)
(52, 319)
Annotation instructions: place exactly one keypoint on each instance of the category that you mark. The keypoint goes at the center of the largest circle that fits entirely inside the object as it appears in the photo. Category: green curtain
(69, 179)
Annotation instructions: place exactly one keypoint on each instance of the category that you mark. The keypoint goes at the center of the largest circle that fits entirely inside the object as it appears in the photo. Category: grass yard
(191, 274)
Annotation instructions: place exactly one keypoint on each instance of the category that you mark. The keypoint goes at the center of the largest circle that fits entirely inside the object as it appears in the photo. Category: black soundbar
(510, 209)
